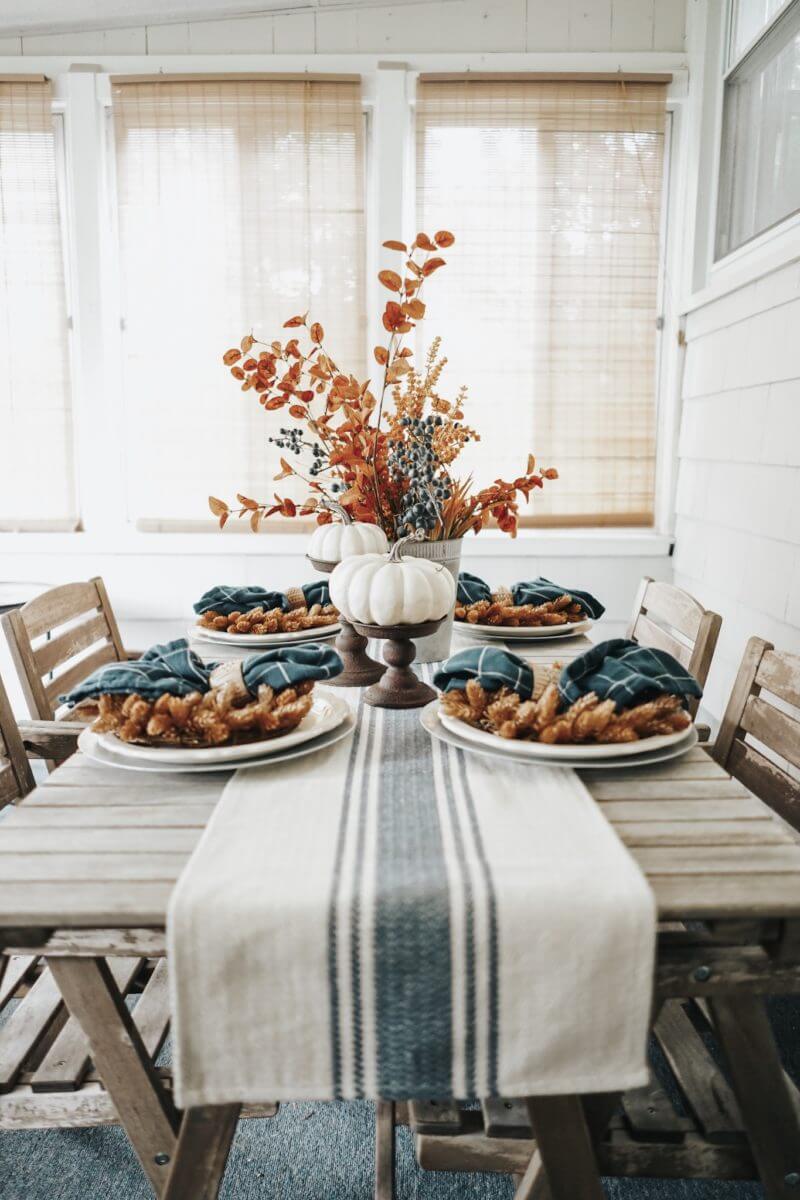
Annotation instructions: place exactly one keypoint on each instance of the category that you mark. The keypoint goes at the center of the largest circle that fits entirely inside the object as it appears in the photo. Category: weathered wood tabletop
(94, 846)
(87, 865)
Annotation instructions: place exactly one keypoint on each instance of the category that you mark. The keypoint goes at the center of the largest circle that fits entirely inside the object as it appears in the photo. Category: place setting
(169, 711)
(534, 611)
(617, 705)
(239, 618)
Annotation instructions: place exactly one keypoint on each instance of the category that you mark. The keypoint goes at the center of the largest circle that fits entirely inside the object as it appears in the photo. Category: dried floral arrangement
(384, 453)
(589, 719)
(217, 717)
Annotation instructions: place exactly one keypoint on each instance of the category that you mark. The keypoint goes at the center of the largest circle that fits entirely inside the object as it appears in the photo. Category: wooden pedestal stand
(399, 686)
(359, 669)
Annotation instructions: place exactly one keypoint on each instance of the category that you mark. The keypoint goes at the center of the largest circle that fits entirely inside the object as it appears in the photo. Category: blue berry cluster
(414, 462)
(292, 441)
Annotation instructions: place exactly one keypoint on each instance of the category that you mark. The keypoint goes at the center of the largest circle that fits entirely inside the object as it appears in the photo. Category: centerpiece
(383, 452)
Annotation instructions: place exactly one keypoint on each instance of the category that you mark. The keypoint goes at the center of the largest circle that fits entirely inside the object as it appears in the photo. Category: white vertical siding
(738, 502)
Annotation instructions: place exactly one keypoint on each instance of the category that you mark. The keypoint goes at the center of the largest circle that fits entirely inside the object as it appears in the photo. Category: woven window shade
(240, 204)
(36, 469)
(548, 305)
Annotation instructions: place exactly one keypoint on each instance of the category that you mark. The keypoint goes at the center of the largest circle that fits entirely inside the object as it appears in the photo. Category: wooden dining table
(88, 862)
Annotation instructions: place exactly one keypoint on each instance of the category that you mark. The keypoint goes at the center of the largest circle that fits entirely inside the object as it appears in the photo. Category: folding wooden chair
(666, 617)
(759, 738)
(50, 659)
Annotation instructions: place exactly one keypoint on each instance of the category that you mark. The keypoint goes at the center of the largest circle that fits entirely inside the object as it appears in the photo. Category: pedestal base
(359, 669)
(399, 687)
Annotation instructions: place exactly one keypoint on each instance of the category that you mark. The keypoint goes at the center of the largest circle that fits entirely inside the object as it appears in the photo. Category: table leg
(202, 1152)
(145, 1108)
(598, 1108)
(564, 1143)
(384, 1150)
(765, 1098)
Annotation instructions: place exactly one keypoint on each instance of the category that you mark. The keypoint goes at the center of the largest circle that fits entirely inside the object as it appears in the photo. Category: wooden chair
(16, 777)
(39, 651)
(753, 717)
(666, 617)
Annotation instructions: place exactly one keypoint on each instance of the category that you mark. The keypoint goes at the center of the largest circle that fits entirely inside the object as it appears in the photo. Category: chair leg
(201, 1155)
(765, 1098)
(384, 1150)
(565, 1145)
(145, 1109)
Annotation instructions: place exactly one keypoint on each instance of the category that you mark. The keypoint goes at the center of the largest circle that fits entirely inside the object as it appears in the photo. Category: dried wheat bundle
(214, 718)
(589, 719)
(273, 620)
(501, 610)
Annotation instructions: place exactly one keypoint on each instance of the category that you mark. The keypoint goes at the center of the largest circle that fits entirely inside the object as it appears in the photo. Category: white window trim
(82, 87)
(710, 37)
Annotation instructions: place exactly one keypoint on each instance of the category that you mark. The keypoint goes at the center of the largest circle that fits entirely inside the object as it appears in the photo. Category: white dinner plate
(525, 749)
(327, 711)
(89, 743)
(495, 747)
(265, 640)
(522, 633)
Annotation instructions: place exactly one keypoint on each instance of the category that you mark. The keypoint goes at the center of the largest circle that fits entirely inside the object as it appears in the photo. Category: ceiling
(57, 16)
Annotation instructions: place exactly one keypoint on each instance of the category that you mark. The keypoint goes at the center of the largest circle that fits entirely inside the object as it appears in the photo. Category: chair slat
(780, 674)
(647, 633)
(80, 671)
(674, 606)
(774, 728)
(64, 647)
(767, 780)
(58, 605)
(26, 1026)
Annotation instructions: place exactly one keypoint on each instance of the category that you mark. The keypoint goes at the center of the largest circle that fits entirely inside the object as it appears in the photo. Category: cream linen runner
(390, 917)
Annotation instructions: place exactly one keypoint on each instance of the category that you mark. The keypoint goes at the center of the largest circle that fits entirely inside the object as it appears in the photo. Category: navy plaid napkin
(176, 669)
(627, 673)
(472, 588)
(490, 666)
(226, 600)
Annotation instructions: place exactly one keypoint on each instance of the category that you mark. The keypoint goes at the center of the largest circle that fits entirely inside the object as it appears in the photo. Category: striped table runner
(391, 918)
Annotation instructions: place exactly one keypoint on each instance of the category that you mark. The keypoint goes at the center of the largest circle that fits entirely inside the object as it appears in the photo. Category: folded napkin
(226, 600)
(623, 671)
(176, 669)
(492, 667)
(472, 588)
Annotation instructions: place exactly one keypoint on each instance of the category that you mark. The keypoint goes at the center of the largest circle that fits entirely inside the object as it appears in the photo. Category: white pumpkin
(332, 543)
(385, 589)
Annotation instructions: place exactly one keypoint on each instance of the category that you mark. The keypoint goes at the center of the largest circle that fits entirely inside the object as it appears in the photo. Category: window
(240, 204)
(35, 416)
(760, 160)
(548, 307)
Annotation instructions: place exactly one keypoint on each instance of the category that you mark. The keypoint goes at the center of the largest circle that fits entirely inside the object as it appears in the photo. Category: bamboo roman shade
(241, 203)
(548, 307)
(36, 469)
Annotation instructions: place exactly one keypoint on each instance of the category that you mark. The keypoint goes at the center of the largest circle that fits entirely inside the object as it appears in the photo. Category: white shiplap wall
(738, 503)
(436, 26)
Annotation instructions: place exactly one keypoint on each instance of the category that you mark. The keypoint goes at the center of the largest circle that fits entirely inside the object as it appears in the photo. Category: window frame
(735, 68)
(83, 93)
(707, 279)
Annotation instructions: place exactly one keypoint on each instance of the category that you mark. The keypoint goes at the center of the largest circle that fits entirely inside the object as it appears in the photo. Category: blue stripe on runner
(494, 948)
(413, 971)
(333, 946)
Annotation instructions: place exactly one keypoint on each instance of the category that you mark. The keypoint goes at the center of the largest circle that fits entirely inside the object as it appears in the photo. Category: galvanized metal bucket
(437, 646)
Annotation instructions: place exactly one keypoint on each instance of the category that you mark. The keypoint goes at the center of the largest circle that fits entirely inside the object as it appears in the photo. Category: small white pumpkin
(386, 589)
(332, 543)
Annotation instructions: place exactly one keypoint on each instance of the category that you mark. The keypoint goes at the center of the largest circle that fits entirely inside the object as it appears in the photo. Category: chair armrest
(130, 655)
(703, 732)
(55, 740)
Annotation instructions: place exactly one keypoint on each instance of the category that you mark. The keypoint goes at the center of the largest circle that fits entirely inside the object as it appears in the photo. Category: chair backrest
(16, 777)
(666, 617)
(50, 663)
(759, 738)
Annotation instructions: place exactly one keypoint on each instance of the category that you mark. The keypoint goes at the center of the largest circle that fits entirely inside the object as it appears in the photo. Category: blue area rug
(310, 1152)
